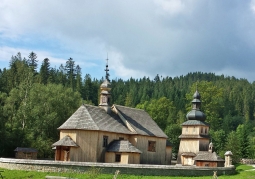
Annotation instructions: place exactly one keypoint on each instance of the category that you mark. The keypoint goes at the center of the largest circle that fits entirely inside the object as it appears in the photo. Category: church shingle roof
(66, 141)
(122, 146)
(195, 123)
(141, 121)
(22, 149)
(89, 117)
(207, 156)
(188, 136)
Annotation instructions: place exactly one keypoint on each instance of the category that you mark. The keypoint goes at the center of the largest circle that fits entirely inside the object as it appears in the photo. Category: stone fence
(247, 161)
(110, 168)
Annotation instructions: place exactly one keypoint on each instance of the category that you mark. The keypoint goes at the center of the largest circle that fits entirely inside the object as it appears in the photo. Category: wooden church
(112, 134)
(195, 148)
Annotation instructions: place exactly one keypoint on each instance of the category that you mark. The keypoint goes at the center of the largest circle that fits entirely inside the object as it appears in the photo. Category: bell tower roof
(195, 113)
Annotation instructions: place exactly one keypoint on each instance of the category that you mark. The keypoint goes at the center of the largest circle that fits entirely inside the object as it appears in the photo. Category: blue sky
(141, 38)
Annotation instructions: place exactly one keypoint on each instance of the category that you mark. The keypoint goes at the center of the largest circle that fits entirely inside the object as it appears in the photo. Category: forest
(37, 98)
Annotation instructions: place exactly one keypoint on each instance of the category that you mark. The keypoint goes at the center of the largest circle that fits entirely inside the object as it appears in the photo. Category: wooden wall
(204, 144)
(111, 137)
(148, 157)
(134, 158)
(26, 155)
(206, 164)
(71, 133)
(168, 155)
(87, 141)
(91, 147)
(187, 145)
(195, 130)
(90, 144)
(187, 160)
(126, 158)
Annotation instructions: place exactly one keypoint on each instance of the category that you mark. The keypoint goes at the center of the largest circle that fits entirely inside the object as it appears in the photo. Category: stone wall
(110, 168)
(247, 161)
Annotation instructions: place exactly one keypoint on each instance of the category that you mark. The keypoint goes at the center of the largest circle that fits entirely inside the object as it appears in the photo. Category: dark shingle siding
(193, 136)
(141, 121)
(22, 149)
(89, 117)
(122, 146)
(81, 119)
(195, 123)
(66, 141)
(207, 156)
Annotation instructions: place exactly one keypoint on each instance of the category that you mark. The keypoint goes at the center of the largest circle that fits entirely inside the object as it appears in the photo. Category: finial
(106, 69)
(197, 83)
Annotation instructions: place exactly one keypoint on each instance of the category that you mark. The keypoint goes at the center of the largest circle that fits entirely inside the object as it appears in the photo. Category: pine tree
(70, 72)
(32, 62)
(45, 71)
(242, 135)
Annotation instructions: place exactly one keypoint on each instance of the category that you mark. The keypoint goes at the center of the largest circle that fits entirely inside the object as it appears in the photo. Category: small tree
(233, 144)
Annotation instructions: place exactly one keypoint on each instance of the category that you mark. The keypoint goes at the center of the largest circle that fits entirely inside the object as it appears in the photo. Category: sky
(140, 38)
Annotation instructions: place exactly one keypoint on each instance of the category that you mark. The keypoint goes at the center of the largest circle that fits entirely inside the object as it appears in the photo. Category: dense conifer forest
(36, 99)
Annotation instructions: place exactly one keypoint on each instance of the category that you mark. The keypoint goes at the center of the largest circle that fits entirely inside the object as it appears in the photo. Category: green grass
(242, 173)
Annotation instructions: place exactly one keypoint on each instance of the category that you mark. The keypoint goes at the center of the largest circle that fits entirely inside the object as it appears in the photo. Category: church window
(117, 157)
(205, 130)
(105, 141)
(201, 129)
(152, 146)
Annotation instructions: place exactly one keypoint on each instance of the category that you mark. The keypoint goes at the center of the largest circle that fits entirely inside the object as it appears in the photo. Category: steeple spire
(107, 70)
(105, 94)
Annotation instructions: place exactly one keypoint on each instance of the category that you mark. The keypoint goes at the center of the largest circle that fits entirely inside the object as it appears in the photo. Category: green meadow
(242, 171)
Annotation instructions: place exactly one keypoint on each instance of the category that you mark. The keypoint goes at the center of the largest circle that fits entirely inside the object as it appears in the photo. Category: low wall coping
(113, 165)
(125, 168)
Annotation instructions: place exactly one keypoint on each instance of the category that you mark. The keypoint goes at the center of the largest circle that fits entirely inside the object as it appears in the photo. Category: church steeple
(105, 94)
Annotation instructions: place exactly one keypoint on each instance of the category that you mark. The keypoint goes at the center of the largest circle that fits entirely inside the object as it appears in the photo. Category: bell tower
(105, 94)
(195, 133)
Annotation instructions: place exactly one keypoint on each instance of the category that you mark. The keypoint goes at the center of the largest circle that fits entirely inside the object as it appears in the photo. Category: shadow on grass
(238, 168)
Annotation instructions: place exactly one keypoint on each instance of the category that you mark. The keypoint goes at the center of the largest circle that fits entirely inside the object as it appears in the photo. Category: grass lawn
(95, 174)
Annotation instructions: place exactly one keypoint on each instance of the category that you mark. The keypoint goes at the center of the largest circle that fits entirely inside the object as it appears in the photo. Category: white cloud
(8, 52)
(143, 38)
(116, 64)
(170, 6)
(252, 5)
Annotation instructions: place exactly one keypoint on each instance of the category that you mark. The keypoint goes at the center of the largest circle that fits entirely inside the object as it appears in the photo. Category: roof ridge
(89, 105)
(129, 107)
(123, 119)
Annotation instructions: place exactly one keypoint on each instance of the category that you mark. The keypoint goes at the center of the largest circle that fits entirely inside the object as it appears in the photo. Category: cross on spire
(107, 70)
